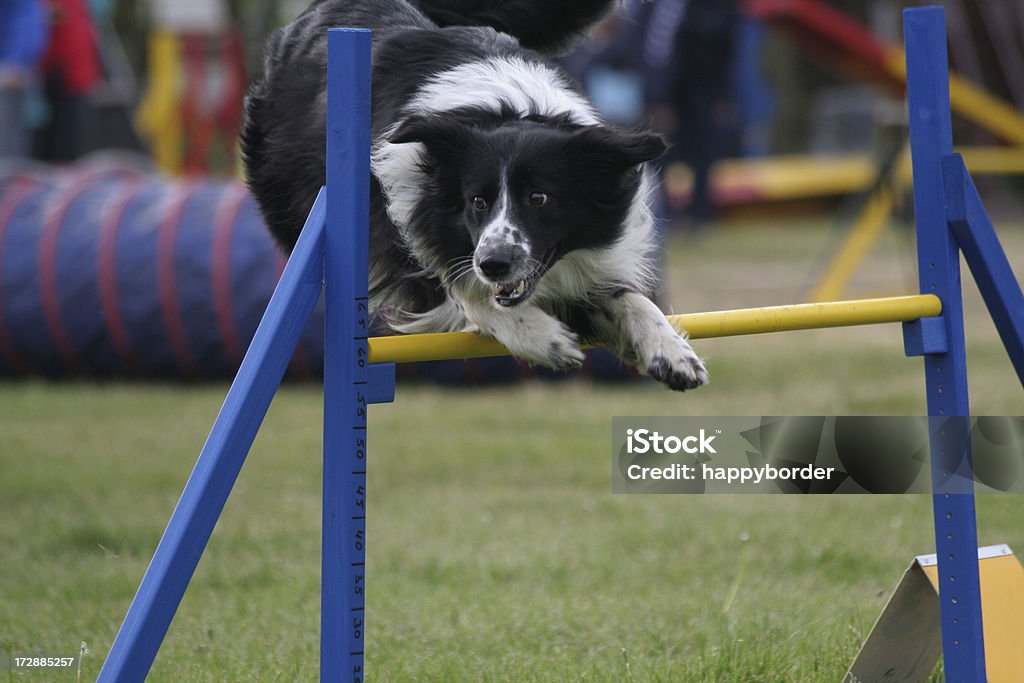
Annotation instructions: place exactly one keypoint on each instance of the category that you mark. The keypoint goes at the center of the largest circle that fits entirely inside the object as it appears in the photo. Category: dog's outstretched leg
(632, 325)
(529, 333)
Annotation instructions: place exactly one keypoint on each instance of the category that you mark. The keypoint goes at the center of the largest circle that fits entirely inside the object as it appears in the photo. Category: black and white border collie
(501, 203)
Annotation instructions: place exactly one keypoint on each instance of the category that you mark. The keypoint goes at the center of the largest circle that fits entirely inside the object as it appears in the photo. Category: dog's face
(503, 204)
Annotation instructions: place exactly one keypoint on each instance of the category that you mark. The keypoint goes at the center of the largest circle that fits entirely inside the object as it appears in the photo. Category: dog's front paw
(564, 353)
(673, 363)
(558, 350)
(534, 336)
(680, 375)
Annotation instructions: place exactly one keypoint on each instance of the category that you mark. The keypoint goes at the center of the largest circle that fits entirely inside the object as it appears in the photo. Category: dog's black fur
(499, 201)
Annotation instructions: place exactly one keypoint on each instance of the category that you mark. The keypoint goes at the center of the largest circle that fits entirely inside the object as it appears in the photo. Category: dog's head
(503, 202)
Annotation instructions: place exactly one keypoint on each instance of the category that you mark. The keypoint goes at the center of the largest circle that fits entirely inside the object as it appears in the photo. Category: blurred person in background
(688, 49)
(610, 69)
(71, 72)
(23, 35)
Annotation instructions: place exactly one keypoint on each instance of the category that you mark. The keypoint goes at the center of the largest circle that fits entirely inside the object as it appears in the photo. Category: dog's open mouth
(512, 293)
(516, 292)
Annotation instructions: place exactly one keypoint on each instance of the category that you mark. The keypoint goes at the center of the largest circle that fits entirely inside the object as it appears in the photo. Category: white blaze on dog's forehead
(495, 232)
(500, 231)
(527, 87)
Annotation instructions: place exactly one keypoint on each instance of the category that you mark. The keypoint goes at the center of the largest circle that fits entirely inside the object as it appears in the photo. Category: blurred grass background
(496, 550)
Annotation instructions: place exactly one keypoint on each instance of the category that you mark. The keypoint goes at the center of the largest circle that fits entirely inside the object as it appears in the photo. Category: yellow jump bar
(452, 345)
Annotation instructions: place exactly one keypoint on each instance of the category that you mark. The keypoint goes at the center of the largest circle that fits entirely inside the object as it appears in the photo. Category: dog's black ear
(618, 149)
(640, 147)
(442, 137)
(415, 129)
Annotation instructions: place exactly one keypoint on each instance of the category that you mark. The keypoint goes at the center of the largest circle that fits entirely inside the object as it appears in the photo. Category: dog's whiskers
(536, 268)
(456, 269)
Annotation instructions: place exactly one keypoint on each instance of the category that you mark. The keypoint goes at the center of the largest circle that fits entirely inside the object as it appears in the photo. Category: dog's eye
(538, 199)
(479, 203)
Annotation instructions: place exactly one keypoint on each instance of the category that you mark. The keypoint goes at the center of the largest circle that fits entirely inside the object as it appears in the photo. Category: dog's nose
(496, 266)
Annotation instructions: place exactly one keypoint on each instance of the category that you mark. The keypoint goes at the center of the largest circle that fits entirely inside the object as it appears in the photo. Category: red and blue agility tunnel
(109, 271)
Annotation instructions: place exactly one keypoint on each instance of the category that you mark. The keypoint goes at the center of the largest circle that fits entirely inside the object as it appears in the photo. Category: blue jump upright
(346, 367)
(332, 256)
(956, 536)
(951, 218)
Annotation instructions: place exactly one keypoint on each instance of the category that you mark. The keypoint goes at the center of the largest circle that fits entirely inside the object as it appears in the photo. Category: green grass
(496, 550)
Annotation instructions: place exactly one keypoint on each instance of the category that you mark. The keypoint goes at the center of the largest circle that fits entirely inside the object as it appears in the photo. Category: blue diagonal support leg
(221, 459)
(956, 535)
(985, 257)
